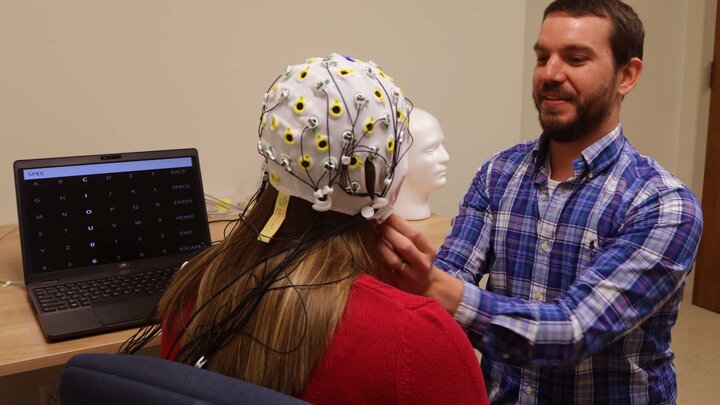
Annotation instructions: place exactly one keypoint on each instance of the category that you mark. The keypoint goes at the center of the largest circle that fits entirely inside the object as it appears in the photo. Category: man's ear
(629, 76)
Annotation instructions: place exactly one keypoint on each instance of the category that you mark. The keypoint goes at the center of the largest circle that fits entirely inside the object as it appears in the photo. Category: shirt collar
(603, 153)
(594, 159)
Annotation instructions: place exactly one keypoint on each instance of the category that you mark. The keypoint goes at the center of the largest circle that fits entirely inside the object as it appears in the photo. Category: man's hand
(408, 257)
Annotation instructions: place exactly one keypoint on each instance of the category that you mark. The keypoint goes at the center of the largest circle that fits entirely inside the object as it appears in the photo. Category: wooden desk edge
(61, 358)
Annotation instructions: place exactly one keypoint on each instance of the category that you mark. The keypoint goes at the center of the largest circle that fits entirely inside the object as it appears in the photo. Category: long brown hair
(264, 312)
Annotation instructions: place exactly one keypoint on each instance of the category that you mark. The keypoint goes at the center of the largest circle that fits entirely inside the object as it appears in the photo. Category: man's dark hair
(627, 33)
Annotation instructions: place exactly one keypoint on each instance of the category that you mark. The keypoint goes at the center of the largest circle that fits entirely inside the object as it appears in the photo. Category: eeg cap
(333, 131)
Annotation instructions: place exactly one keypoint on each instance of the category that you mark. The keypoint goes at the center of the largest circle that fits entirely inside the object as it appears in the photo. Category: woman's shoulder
(406, 310)
(431, 352)
(368, 287)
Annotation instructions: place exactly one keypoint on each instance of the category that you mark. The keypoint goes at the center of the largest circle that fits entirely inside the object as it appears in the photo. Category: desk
(22, 344)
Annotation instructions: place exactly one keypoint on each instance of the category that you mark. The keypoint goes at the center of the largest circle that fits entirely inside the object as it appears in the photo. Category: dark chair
(109, 379)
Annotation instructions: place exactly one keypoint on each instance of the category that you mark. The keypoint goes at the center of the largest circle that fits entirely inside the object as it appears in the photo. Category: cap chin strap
(278, 217)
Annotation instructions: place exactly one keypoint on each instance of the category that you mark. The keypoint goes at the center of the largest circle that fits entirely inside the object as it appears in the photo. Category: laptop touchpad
(129, 310)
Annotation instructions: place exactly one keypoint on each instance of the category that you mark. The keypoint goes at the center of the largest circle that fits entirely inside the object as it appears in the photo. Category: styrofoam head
(333, 132)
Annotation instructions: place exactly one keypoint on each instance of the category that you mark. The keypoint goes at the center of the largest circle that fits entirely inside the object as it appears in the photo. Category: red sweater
(392, 347)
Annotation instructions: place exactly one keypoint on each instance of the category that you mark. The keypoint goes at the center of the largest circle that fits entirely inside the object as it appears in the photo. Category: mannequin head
(427, 166)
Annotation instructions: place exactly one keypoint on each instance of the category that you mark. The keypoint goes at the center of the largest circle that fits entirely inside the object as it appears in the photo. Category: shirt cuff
(474, 312)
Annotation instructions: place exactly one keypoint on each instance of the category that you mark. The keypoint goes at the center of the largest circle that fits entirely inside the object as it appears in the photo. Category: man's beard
(590, 113)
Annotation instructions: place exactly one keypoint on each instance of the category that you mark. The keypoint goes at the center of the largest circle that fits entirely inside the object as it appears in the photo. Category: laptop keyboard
(85, 293)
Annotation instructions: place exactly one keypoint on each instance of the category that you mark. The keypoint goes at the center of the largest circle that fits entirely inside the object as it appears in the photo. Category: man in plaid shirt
(586, 242)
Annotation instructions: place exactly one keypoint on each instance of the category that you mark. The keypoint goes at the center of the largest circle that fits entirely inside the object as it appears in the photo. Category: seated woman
(293, 299)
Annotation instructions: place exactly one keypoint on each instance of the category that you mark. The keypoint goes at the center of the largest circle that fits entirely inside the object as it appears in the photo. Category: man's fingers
(411, 232)
(391, 259)
(400, 243)
(407, 251)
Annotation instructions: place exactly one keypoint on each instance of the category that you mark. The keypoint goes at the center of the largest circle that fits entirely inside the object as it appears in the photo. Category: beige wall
(100, 76)
(93, 76)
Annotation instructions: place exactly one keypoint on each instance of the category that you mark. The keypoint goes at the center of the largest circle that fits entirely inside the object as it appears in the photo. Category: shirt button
(505, 356)
(545, 246)
(537, 295)
(590, 175)
(529, 390)
(543, 196)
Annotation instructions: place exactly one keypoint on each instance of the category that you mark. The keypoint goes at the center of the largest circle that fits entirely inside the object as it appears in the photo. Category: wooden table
(22, 344)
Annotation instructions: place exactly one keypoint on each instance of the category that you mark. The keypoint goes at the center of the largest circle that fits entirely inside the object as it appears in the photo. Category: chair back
(109, 379)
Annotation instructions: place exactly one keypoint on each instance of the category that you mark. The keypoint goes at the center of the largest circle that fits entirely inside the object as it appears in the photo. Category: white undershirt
(552, 185)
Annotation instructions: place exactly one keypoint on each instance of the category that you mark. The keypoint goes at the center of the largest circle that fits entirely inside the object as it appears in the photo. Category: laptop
(102, 235)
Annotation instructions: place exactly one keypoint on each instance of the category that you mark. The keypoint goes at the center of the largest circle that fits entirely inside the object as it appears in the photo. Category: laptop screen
(95, 210)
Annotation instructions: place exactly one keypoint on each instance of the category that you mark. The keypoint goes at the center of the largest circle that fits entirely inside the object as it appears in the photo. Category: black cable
(217, 337)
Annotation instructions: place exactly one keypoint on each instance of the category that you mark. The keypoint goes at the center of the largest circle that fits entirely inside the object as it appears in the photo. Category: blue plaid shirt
(584, 283)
